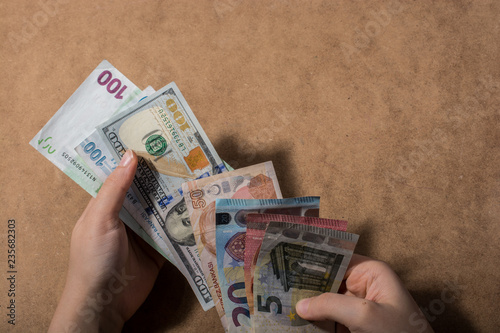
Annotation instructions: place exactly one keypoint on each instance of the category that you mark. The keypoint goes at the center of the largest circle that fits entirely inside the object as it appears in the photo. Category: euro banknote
(172, 148)
(297, 261)
(104, 93)
(254, 182)
(231, 237)
(256, 229)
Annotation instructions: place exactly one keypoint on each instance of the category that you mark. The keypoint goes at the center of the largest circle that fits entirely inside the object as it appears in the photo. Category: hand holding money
(111, 269)
(375, 301)
(242, 248)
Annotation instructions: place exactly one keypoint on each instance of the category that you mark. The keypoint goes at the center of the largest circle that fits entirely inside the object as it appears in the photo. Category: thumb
(112, 193)
(346, 310)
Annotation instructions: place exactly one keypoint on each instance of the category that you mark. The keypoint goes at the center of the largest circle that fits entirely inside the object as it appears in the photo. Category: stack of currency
(241, 246)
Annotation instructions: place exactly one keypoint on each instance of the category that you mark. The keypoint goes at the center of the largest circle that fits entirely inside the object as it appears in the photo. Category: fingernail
(303, 305)
(126, 158)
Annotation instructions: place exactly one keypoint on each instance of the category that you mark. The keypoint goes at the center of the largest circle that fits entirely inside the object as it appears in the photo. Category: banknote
(95, 153)
(105, 92)
(253, 182)
(296, 261)
(172, 148)
(256, 229)
(231, 237)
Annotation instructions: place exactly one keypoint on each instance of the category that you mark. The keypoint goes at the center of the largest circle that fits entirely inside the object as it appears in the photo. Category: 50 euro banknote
(172, 148)
(254, 182)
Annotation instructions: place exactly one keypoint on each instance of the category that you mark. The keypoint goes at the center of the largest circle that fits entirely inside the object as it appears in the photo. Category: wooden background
(387, 110)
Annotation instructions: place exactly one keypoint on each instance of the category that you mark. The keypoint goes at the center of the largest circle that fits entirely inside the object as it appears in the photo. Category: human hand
(111, 269)
(375, 300)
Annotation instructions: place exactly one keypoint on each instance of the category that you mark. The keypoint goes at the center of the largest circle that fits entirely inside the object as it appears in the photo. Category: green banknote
(172, 149)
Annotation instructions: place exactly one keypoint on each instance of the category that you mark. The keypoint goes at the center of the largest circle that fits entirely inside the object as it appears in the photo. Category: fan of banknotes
(241, 246)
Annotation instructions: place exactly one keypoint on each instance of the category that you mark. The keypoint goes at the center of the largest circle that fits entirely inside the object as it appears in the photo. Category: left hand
(111, 269)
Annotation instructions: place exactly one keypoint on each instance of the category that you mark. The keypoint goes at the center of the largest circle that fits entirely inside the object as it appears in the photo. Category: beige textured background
(391, 118)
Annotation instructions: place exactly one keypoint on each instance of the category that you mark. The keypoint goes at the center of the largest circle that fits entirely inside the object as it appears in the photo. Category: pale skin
(102, 248)
(111, 272)
(374, 301)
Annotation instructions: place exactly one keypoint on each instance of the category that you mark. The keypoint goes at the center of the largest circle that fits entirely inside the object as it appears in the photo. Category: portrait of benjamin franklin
(178, 225)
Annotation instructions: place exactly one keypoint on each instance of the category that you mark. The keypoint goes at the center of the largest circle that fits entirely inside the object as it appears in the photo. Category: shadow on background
(167, 305)
(440, 302)
(365, 232)
(443, 317)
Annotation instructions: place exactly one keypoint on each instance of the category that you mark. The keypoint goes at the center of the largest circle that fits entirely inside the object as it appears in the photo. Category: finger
(343, 309)
(364, 275)
(110, 198)
(356, 260)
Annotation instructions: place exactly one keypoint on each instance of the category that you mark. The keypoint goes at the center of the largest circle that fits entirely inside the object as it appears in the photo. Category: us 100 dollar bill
(172, 148)
(95, 153)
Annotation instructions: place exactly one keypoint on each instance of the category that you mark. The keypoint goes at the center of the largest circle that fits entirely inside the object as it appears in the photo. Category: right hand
(375, 301)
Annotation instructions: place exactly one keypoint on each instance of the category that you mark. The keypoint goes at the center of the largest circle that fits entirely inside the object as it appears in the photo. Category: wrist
(86, 310)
